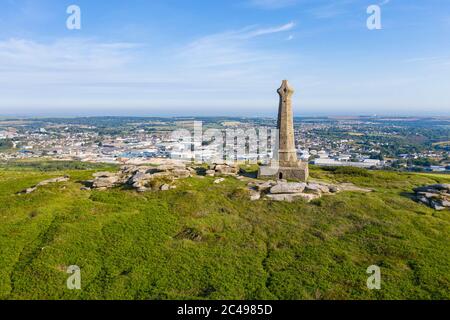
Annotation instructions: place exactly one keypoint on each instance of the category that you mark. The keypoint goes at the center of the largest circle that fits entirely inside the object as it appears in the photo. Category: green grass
(49, 165)
(207, 241)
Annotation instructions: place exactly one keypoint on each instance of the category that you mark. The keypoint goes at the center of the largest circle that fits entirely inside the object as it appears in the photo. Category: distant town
(403, 144)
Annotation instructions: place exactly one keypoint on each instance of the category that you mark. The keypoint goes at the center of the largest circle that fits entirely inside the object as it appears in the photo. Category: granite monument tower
(285, 165)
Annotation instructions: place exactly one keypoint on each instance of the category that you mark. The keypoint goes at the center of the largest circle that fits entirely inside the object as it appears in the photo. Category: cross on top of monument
(285, 91)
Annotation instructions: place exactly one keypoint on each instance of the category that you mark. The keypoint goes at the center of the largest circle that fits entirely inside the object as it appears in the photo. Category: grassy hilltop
(209, 241)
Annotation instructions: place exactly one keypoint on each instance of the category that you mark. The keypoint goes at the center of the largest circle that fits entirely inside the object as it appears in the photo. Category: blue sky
(224, 57)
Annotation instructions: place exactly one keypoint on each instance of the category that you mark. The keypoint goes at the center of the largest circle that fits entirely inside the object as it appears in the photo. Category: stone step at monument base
(298, 172)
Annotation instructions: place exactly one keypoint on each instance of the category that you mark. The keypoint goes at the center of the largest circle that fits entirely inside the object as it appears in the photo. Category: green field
(207, 241)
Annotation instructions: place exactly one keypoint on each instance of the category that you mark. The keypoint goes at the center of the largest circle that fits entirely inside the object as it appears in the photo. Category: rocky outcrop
(165, 187)
(44, 183)
(181, 173)
(218, 181)
(210, 173)
(142, 178)
(223, 169)
(255, 195)
(436, 196)
(105, 180)
(292, 197)
(162, 178)
(291, 191)
(288, 188)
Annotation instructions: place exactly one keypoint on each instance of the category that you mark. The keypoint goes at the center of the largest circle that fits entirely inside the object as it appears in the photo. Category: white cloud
(331, 9)
(260, 32)
(63, 55)
(429, 61)
(223, 69)
(231, 48)
(272, 4)
(232, 72)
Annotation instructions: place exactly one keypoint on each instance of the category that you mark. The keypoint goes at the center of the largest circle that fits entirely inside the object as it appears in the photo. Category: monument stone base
(292, 171)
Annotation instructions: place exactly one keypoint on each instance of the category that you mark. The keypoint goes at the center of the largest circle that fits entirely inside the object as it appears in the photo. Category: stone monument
(286, 165)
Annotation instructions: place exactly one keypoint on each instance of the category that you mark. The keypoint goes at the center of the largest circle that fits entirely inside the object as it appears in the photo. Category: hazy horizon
(217, 115)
